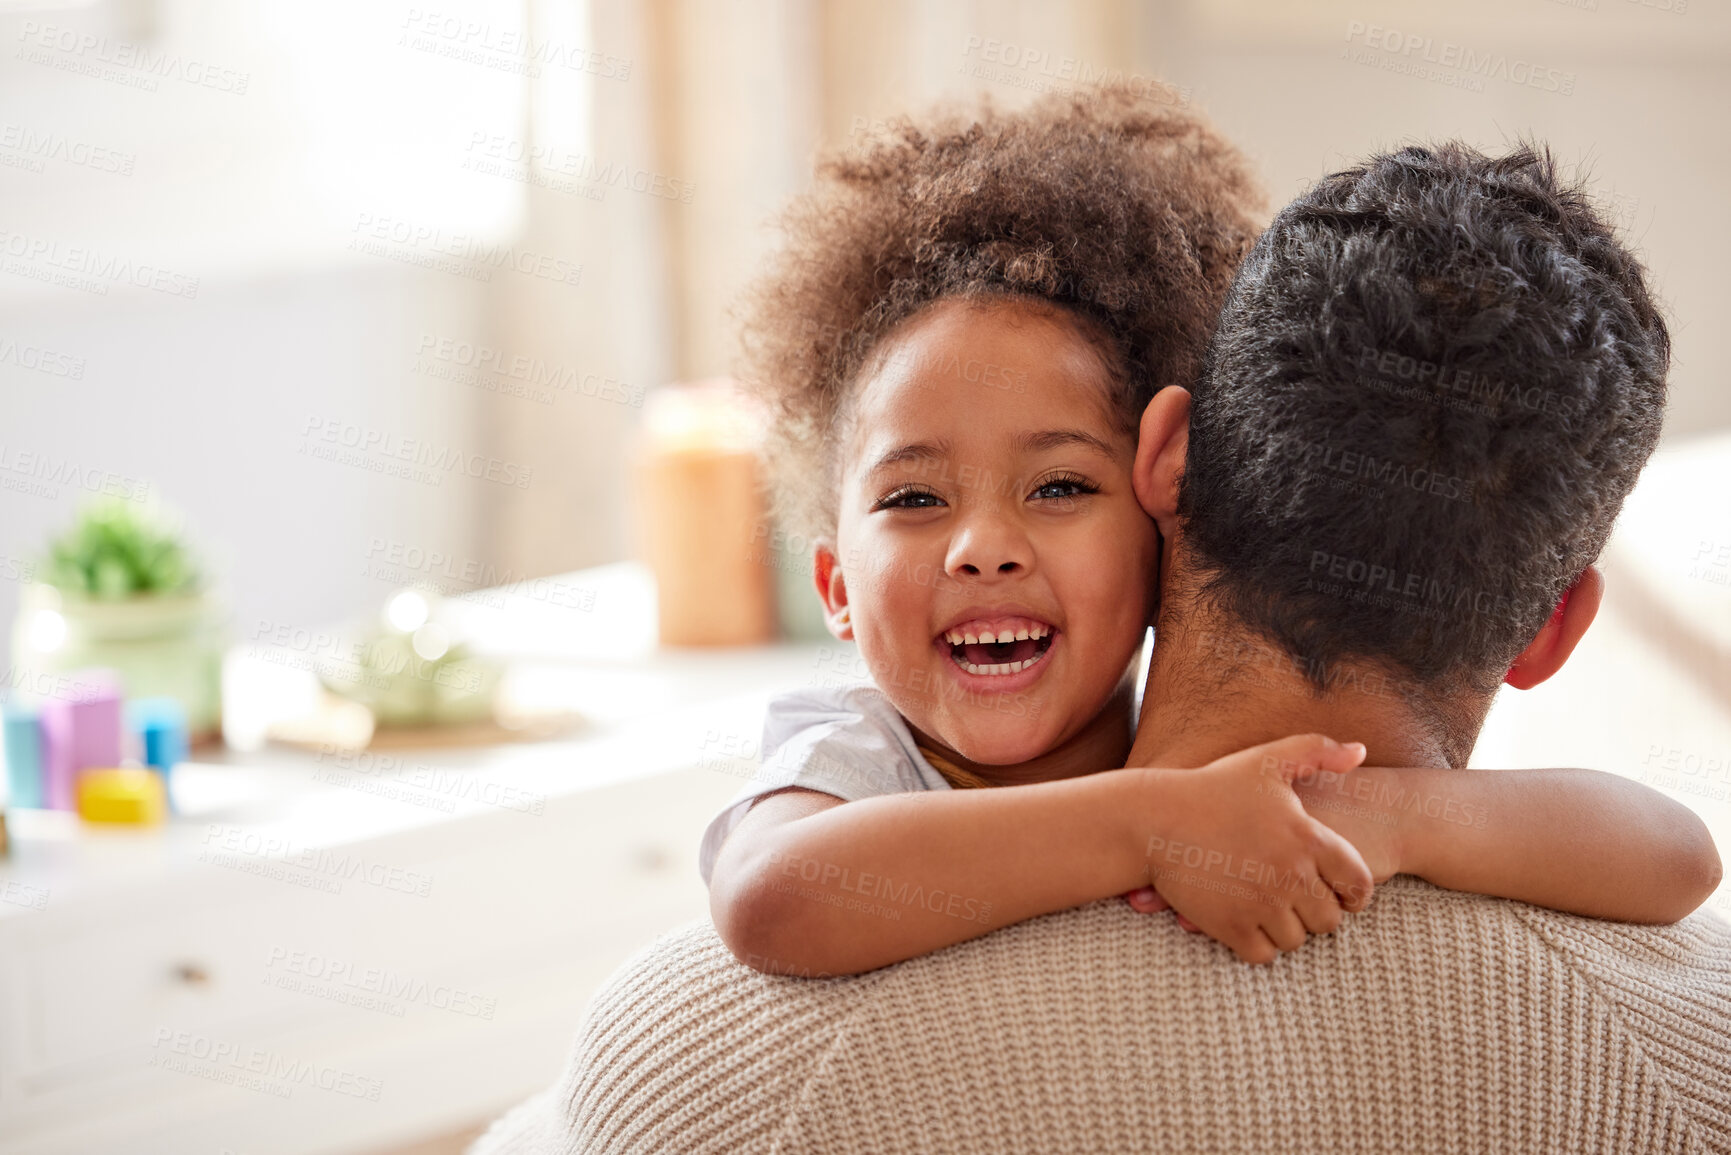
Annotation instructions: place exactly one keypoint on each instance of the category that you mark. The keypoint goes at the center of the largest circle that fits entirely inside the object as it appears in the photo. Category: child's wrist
(1143, 811)
(1405, 841)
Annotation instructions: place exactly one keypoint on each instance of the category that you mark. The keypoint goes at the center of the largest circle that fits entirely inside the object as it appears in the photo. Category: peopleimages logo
(323, 437)
(91, 269)
(387, 775)
(322, 868)
(40, 360)
(506, 49)
(1467, 389)
(136, 65)
(38, 146)
(40, 474)
(535, 372)
(342, 980)
(1450, 61)
(551, 160)
(1037, 70)
(1355, 465)
(428, 246)
(1375, 584)
(827, 875)
(255, 1068)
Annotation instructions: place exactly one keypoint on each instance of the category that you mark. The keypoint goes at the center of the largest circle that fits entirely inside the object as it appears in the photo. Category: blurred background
(352, 299)
(293, 200)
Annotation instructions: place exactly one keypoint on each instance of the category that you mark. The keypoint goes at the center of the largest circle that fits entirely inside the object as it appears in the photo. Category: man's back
(1433, 1021)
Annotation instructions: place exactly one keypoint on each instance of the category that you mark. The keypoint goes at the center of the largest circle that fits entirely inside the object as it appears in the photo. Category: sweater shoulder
(1669, 989)
(686, 1049)
(1434, 1013)
(1473, 1022)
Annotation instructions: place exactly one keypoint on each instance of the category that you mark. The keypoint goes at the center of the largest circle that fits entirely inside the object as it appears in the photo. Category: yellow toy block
(121, 794)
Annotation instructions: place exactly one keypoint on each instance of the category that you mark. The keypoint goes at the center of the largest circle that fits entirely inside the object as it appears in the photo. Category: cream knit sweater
(1434, 1021)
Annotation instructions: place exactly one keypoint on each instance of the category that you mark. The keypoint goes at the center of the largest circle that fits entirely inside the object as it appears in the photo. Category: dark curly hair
(1435, 380)
(1118, 204)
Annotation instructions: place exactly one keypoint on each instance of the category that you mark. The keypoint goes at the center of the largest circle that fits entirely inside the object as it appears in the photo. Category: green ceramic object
(121, 589)
(402, 688)
(162, 646)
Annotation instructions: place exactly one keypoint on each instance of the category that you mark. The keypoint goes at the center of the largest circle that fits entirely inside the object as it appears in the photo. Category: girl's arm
(1581, 841)
(807, 884)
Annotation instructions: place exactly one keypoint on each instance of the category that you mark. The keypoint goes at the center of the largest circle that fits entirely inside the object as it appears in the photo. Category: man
(1435, 380)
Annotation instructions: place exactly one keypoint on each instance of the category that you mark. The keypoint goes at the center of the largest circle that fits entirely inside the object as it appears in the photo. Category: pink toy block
(57, 773)
(95, 719)
(80, 729)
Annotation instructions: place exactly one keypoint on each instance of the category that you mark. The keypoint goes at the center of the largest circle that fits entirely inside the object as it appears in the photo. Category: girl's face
(991, 559)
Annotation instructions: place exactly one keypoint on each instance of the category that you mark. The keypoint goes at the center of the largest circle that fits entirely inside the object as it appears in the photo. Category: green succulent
(404, 689)
(117, 550)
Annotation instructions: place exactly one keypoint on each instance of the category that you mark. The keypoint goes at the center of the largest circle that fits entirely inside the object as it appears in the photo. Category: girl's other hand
(1147, 900)
(1240, 857)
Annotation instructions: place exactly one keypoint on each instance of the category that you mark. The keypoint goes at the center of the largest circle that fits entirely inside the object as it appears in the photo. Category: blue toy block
(24, 756)
(160, 724)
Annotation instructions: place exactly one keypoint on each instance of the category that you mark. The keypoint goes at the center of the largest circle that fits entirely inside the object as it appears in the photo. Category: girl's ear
(832, 590)
(1161, 445)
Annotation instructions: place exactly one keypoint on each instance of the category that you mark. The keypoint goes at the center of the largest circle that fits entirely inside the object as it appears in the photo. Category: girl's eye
(909, 497)
(1067, 487)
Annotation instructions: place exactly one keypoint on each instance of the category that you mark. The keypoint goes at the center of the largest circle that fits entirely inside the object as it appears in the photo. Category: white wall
(353, 114)
(208, 401)
(1646, 84)
(1638, 100)
(318, 125)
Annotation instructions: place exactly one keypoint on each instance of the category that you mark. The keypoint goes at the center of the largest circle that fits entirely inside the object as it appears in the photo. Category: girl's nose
(987, 544)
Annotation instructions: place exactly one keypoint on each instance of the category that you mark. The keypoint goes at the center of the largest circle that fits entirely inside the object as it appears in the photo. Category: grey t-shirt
(847, 741)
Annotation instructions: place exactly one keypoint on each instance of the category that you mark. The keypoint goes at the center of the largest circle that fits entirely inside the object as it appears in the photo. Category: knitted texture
(1434, 1021)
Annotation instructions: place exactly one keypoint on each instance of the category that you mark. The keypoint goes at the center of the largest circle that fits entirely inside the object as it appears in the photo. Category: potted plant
(412, 671)
(121, 589)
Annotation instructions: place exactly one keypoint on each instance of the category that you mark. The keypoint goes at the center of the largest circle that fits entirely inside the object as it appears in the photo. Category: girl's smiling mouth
(996, 647)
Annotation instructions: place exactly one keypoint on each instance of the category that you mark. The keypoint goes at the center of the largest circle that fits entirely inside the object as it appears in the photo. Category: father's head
(1436, 378)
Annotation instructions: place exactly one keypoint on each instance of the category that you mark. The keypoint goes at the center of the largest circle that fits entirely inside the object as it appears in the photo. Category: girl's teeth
(989, 637)
(956, 637)
(999, 667)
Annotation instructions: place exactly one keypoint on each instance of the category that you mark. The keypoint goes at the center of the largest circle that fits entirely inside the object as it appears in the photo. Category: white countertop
(645, 711)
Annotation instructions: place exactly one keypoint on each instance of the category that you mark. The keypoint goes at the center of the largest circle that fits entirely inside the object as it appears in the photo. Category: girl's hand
(1241, 860)
(1370, 825)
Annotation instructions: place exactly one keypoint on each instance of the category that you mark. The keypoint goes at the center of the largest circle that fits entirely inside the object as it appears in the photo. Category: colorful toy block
(24, 756)
(121, 794)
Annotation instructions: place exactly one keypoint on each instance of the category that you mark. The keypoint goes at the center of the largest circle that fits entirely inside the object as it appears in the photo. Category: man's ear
(1547, 652)
(832, 589)
(1161, 445)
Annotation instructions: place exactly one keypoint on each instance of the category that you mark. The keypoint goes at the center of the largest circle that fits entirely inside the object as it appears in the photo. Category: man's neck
(1214, 688)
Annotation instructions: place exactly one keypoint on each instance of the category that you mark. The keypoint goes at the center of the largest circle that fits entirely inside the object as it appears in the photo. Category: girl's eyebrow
(1046, 439)
(1059, 438)
(912, 451)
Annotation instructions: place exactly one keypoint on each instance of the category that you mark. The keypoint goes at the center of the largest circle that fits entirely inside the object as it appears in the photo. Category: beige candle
(701, 516)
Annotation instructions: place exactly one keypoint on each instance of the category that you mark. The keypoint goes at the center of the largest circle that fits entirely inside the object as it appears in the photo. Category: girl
(957, 348)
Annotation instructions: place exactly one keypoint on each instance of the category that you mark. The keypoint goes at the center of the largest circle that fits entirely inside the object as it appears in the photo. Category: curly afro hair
(1435, 380)
(1118, 204)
